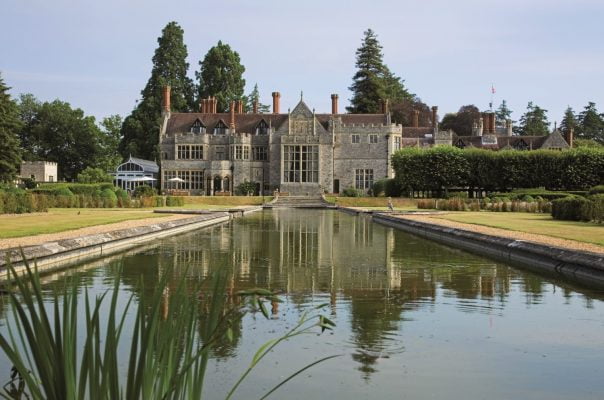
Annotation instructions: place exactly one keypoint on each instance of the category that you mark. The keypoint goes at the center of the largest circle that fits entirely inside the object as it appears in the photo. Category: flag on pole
(492, 89)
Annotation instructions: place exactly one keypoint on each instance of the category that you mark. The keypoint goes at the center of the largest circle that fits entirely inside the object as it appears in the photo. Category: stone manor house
(301, 152)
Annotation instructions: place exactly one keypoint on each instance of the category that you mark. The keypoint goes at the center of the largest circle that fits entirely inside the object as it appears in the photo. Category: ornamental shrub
(109, 199)
(378, 188)
(144, 191)
(596, 189)
(175, 201)
(570, 208)
(352, 192)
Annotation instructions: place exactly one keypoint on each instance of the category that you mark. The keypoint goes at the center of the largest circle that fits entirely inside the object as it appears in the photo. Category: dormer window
(220, 128)
(198, 127)
(262, 128)
(460, 143)
(520, 145)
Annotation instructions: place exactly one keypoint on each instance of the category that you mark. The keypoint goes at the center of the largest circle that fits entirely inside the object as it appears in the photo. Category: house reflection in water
(376, 272)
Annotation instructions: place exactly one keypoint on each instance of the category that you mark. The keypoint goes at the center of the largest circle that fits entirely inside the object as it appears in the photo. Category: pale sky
(96, 55)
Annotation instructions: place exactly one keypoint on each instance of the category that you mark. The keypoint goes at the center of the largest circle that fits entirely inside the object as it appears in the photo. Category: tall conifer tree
(374, 82)
(10, 153)
(255, 96)
(140, 130)
(502, 114)
(534, 121)
(221, 76)
(591, 123)
(569, 121)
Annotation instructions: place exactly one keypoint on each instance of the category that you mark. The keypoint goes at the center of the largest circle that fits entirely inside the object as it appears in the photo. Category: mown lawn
(226, 201)
(373, 202)
(64, 219)
(542, 224)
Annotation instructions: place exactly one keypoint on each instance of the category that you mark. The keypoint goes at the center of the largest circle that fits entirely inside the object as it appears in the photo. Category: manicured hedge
(576, 208)
(175, 201)
(440, 168)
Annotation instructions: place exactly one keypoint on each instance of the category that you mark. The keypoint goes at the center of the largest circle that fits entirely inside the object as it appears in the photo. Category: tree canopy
(502, 114)
(57, 132)
(590, 124)
(255, 96)
(140, 130)
(10, 153)
(221, 76)
(373, 82)
(462, 121)
(534, 121)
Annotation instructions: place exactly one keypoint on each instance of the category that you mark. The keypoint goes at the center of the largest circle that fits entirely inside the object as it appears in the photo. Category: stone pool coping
(52, 255)
(581, 266)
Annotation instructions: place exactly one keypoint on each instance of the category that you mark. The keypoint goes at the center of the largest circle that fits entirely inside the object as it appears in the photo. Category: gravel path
(90, 230)
(543, 239)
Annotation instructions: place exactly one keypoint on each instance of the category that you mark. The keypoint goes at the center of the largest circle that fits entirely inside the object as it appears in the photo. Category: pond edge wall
(583, 267)
(55, 255)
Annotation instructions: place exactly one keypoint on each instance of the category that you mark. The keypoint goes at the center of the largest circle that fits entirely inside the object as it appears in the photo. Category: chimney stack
(415, 118)
(508, 127)
(570, 137)
(492, 123)
(255, 106)
(385, 106)
(240, 106)
(232, 112)
(276, 97)
(166, 99)
(434, 116)
(334, 103)
(480, 126)
(213, 105)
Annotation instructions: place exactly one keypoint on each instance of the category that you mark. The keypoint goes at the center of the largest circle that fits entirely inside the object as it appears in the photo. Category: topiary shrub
(175, 201)
(570, 208)
(109, 199)
(245, 188)
(144, 191)
(596, 190)
(527, 198)
(352, 192)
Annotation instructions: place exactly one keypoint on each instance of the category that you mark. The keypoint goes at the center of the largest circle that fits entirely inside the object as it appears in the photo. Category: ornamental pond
(414, 319)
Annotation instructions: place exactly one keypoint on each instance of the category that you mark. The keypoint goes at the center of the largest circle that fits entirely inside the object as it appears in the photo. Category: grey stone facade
(39, 171)
(345, 145)
(301, 152)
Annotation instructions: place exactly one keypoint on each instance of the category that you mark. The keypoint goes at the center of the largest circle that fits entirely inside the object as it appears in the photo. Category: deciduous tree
(462, 121)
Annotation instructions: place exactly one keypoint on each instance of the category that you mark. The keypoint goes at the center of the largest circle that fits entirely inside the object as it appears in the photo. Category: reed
(169, 349)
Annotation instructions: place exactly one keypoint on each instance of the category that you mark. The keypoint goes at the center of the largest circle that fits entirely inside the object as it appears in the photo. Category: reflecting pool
(415, 319)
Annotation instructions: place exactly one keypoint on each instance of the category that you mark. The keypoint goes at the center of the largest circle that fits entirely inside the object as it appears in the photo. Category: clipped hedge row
(440, 168)
(576, 208)
(496, 204)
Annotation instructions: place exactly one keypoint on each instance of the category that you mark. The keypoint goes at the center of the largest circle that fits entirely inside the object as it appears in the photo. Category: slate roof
(417, 132)
(148, 166)
(246, 123)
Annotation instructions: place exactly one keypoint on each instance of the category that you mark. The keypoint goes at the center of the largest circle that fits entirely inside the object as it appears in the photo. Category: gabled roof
(148, 166)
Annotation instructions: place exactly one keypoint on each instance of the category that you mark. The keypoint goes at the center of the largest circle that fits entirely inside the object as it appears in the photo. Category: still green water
(415, 319)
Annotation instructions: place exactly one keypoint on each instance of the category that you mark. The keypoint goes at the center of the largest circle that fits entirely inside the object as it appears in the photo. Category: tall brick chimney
(214, 105)
(166, 99)
(255, 106)
(415, 118)
(492, 116)
(232, 112)
(385, 105)
(334, 103)
(240, 107)
(570, 136)
(276, 97)
(434, 116)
